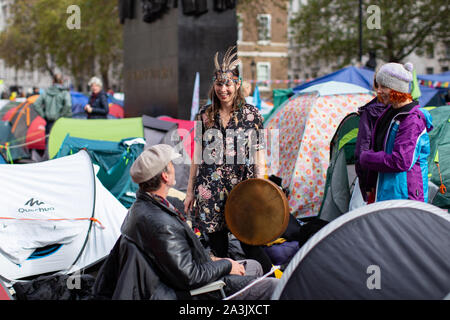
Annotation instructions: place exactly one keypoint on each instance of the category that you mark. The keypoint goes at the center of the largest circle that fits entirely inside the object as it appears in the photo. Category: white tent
(55, 216)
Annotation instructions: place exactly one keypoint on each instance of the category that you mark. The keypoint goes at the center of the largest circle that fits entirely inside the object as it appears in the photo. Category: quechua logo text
(33, 202)
(35, 206)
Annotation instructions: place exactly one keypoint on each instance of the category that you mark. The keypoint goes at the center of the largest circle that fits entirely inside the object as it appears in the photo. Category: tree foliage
(37, 37)
(328, 30)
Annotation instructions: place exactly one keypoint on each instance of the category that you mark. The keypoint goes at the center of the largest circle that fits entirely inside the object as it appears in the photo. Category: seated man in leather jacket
(170, 246)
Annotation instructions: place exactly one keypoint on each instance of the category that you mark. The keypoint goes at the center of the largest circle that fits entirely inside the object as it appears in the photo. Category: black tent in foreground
(397, 249)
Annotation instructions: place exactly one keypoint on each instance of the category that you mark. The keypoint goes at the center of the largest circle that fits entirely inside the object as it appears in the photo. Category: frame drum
(257, 211)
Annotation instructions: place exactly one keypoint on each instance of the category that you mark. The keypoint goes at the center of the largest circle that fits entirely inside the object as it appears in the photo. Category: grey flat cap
(151, 162)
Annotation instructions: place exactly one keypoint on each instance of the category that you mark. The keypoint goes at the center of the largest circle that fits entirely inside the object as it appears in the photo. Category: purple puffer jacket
(403, 166)
(369, 114)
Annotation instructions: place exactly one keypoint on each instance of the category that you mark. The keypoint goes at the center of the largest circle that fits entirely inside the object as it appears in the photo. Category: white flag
(196, 96)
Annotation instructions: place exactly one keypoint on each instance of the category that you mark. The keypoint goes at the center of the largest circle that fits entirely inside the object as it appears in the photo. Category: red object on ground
(116, 111)
(36, 134)
(4, 292)
(7, 116)
(371, 198)
(27, 125)
(185, 129)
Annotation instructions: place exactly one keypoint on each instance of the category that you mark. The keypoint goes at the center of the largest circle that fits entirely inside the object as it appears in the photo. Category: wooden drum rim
(237, 230)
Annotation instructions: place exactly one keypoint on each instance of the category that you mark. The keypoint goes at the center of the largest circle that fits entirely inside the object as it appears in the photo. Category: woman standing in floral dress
(228, 149)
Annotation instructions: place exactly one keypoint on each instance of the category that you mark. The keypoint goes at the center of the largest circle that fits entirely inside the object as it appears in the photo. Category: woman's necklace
(225, 117)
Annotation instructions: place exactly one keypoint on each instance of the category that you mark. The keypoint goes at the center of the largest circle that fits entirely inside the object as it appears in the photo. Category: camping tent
(396, 249)
(439, 159)
(440, 80)
(176, 133)
(114, 131)
(364, 77)
(114, 160)
(341, 170)
(185, 131)
(95, 129)
(55, 215)
(156, 130)
(3, 102)
(340, 181)
(6, 106)
(281, 95)
(306, 123)
(9, 149)
(79, 101)
(27, 127)
(4, 292)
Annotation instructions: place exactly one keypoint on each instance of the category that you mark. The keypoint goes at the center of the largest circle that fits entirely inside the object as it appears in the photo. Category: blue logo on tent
(44, 251)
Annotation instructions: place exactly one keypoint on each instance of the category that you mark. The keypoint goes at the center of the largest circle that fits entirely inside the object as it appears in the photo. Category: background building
(263, 46)
(12, 79)
(433, 61)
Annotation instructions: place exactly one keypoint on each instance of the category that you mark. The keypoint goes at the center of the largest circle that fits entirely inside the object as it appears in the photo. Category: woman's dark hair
(154, 183)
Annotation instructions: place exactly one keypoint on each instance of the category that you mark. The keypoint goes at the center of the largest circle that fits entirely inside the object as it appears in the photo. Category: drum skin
(257, 211)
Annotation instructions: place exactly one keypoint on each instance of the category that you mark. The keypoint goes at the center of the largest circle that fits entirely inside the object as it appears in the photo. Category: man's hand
(188, 202)
(236, 268)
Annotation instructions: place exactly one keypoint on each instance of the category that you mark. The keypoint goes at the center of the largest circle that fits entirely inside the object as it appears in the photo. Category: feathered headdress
(228, 65)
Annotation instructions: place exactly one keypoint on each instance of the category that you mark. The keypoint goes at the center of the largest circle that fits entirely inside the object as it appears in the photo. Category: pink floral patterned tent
(299, 151)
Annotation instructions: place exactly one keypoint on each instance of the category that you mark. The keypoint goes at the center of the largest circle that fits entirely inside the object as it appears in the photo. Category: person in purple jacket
(368, 115)
(400, 143)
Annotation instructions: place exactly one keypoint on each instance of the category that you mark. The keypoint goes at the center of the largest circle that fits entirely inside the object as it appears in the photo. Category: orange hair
(396, 97)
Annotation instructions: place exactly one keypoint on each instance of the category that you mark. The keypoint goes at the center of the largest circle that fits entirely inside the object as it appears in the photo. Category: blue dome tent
(364, 77)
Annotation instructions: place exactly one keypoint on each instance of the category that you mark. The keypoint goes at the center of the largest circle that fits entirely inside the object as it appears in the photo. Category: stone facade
(264, 55)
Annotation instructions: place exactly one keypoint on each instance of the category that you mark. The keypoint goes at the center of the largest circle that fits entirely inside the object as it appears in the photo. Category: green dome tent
(340, 180)
(101, 129)
(439, 160)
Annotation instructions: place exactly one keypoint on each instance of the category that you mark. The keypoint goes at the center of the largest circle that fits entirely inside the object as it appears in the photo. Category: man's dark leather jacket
(172, 251)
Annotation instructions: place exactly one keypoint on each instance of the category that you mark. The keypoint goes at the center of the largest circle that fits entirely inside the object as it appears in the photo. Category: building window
(430, 53)
(263, 75)
(264, 28)
(444, 69)
(241, 69)
(240, 27)
(299, 63)
(430, 70)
